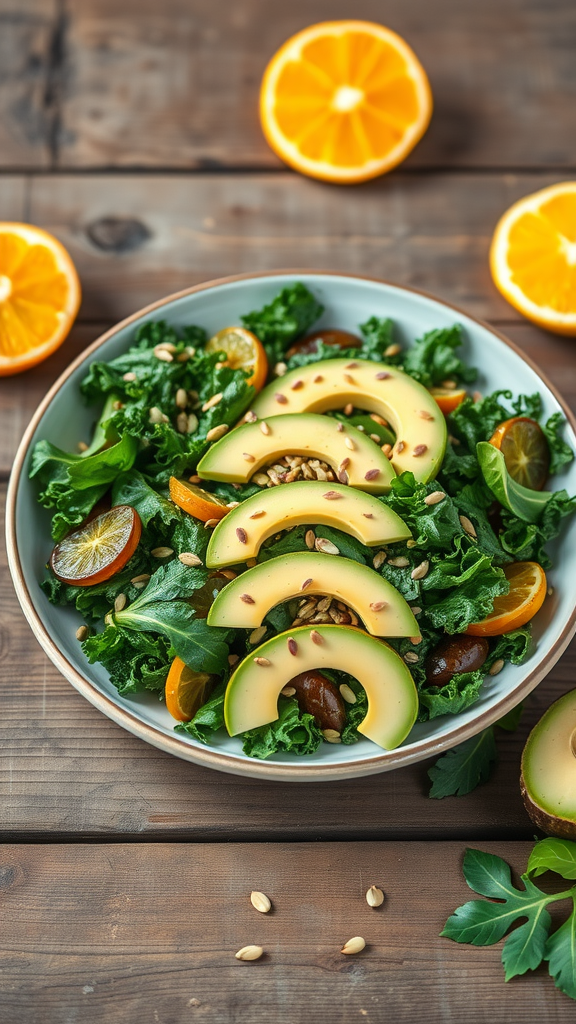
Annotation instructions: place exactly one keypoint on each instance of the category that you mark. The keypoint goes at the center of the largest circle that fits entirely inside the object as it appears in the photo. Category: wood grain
(68, 771)
(178, 87)
(148, 933)
(429, 231)
(29, 97)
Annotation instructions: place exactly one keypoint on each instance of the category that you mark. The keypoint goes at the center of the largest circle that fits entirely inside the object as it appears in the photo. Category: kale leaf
(290, 314)
(294, 731)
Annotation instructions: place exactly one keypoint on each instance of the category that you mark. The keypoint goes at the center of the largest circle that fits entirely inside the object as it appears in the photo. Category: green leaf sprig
(483, 922)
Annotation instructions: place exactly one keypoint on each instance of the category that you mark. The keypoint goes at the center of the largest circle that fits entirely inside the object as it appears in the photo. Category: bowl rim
(207, 756)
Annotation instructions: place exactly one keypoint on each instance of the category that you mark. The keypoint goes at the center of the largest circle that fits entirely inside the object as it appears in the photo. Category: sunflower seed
(420, 449)
(496, 667)
(212, 402)
(468, 526)
(247, 599)
(379, 559)
(192, 424)
(306, 584)
(189, 558)
(256, 635)
(82, 633)
(378, 419)
(331, 735)
(228, 573)
(347, 693)
(249, 953)
(421, 570)
(317, 379)
(142, 578)
(316, 637)
(411, 658)
(162, 552)
(339, 427)
(434, 498)
(374, 896)
(310, 539)
(393, 350)
(265, 428)
(260, 479)
(332, 495)
(232, 659)
(181, 398)
(322, 544)
(263, 662)
(375, 438)
(350, 444)
(120, 602)
(242, 535)
(251, 416)
(129, 377)
(307, 610)
(383, 375)
(400, 562)
(280, 369)
(163, 355)
(400, 446)
(217, 432)
(288, 691)
(324, 604)
(280, 398)
(378, 606)
(348, 409)
(260, 902)
(297, 385)
(247, 457)
(156, 415)
(387, 449)
(292, 646)
(355, 945)
(372, 474)
(182, 423)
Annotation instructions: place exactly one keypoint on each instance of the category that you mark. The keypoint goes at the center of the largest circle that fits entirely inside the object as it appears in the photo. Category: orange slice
(39, 296)
(195, 500)
(344, 101)
(533, 257)
(98, 549)
(516, 608)
(525, 449)
(448, 399)
(186, 690)
(243, 352)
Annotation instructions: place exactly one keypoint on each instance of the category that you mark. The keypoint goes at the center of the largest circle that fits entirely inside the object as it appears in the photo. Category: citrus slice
(98, 549)
(344, 101)
(526, 595)
(186, 690)
(193, 499)
(525, 449)
(39, 296)
(533, 257)
(243, 352)
(448, 399)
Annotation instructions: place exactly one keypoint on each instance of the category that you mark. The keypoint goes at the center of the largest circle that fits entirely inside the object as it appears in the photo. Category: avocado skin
(553, 826)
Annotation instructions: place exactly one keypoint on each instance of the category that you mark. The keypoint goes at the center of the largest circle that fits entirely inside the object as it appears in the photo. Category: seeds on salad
(260, 901)
(411, 543)
(250, 416)
(316, 637)
(468, 526)
(215, 400)
(420, 449)
(181, 398)
(347, 693)
(355, 945)
(280, 398)
(82, 633)
(350, 444)
(140, 580)
(242, 535)
(182, 423)
(317, 379)
(368, 515)
(297, 385)
(378, 606)
(339, 427)
(415, 640)
(258, 514)
(163, 354)
(189, 558)
(331, 736)
(265, 428)
(260, 479)
(387, 449)
(217, 432)
(393, 350)
(378, 419)
(411, 658)
(310, 539)
(292, 646)
(331, 495)
(307, 610)
(374, 896)
(228, 573)
(233, 659)
(211, 523)
(162, 552)
(232, 504)
(425, 415)
(383, 375)
(280, 369)
(421, 570)
(192, 423)
(372, 474)
(128, 377)
(248, 457)
(322, 544)
(375, 438)
(348, 409)
(400, 562)
(247, 599)
(120, 602)
(496, 667)
(288, 691)
(415, 609)
(263, 662)
(156, 415)
(434, 498)
(249, 953)
(256, 635)
(400, 446)
(379, 559)
(306, 583)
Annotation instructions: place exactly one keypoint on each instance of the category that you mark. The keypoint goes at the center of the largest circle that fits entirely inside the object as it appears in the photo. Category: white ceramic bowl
(62, 418)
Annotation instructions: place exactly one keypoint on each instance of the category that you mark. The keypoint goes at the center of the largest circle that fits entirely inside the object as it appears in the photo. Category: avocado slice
(252, 693)
(243, 451)
(548, 774)
(239, 535)
(382, 609)
(412, 412)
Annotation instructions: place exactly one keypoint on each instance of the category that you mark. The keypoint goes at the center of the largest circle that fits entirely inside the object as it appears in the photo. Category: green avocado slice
(245, 601)
(252, 694)
(548, 779)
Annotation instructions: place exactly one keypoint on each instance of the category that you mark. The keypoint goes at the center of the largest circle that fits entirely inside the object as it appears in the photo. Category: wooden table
(129, 129)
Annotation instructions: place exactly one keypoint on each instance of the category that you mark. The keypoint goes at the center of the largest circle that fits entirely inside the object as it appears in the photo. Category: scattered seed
(468, 526)
(260, 902)
(393, 350)
(449, 384)
(375, 438)
(349, 443)
(192, 425)
(344, 464)
(331, 735)
(317, 379)
(211, 523)
(496, 667)
(189, 558)
(387, 449)
(324, 604)
(217, 432)
(411, 658)
(421, 570)
(249, 953)
(82, 633)
(306, 583)
(416, 610)
(247, 457)
(155, 415)
(242, 535)
(181, 398)
(82, 446)
(265, 428)
(162, 552)
(280, 398)
(348, 409)
(411, 543)
(368, 515)
(339, 427)
(332, 495)
(322, 544)
(250, 416)
(297, 385)
(347, 693)
(261, 479)
(307, 610)
(425, 415)
(383, 375)
(292, 646)
(550, 591)
(232, 659)
(355, 945)
(310, 539)
(228, 573)
(434, 498)
(316, 637)
(129, 376)
(212, 402)
(379, 559)
(378, 606)
(263, 662)
(247, 599)
(378, 419)
(400, 562)
(280, 369)
(163, 355)
(120, 602)
(374, 896)
(371, 474)
(182, 422)
(400, 447)
(420, 449)
(288, 691)
(232, 504)
(143, 578)
(349, 379)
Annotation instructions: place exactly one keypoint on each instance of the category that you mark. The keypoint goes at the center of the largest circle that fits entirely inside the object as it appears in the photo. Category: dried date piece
(455, 654)
(321, 698)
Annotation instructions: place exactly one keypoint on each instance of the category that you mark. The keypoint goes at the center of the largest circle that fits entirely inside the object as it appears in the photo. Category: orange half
(526, 596)
(39, 296)
(533, 257)
(344, 101)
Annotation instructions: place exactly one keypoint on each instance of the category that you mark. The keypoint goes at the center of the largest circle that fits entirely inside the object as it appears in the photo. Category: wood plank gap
(210, 167)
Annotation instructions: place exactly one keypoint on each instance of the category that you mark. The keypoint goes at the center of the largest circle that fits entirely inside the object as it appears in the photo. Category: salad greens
(484, 922)
(142, 438)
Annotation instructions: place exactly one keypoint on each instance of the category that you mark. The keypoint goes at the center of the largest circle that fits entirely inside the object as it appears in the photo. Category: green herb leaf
(557, 855)
(433, 359)
(460, 770)
(561, 453)
(290, 314)
(525, 503)
(294, 731)
(561, 954)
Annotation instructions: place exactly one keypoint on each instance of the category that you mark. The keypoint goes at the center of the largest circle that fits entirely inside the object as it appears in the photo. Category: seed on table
(264, 662)
(120, 602)
(256, 635)
(162, 552)
(82, 633)
(355, 945)
(217, 432)
(421, 570)
(215, 400)
(331, 735)
(128, 377)
(182, 423)
(379, 559)
(211, 523)
(181, 398)
(400, 562)
(347, 693)
(249, 953)
(260, 901)
(434, 498)
(310, 539)
(411, 658)
(496, 667)
(374, 896)
(189, 558)
(468, 526)
(322, 544)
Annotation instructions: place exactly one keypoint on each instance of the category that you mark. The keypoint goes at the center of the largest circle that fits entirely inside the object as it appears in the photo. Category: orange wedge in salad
(526, 595)
(98, 549)
(199, 503)
(39, 296)
(186, 690)
(448, 399)
(242, 351)
(533, 257)
(344, 101)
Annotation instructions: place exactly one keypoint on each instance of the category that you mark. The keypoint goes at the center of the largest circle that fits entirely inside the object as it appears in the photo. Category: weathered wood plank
(28, 82)
(148, 932)
(66, 770)
(430, 231)
(178, 86)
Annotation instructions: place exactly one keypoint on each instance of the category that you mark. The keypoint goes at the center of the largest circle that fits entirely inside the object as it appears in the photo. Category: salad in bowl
(302, 536)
